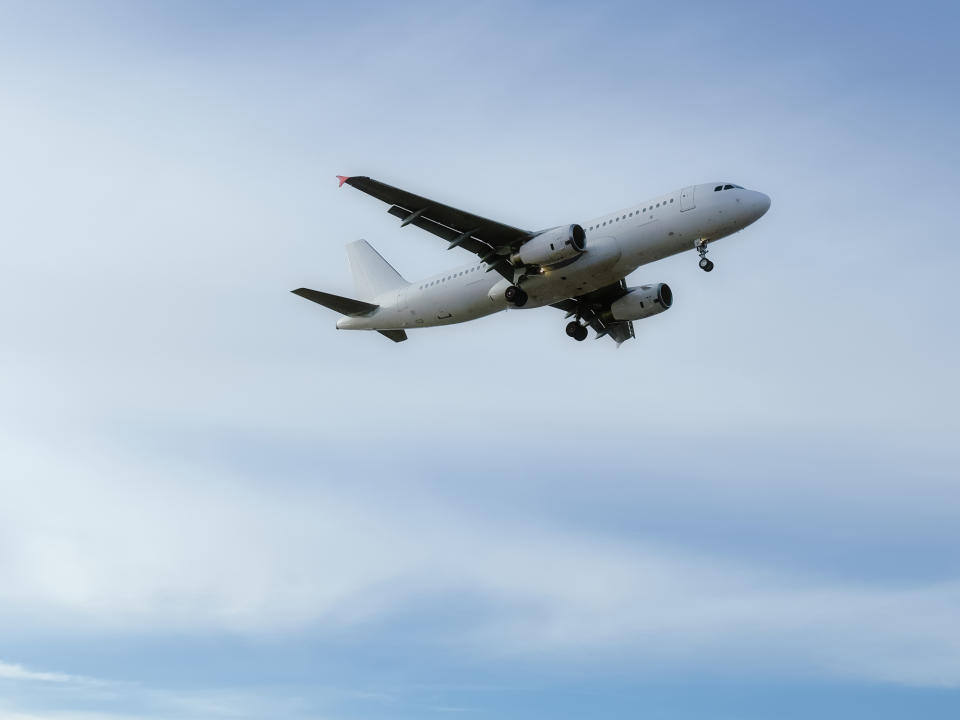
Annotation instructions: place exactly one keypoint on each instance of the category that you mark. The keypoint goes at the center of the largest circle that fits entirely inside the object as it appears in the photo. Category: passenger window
(671, 200)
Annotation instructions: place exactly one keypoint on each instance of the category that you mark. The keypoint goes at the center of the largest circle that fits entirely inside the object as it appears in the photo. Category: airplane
(577, 268)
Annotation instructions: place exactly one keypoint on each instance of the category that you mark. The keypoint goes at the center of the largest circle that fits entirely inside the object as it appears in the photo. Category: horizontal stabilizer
(345, 306)
(395, 335)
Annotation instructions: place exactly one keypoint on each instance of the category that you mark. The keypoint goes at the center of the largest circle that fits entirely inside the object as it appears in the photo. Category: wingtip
(342, 179)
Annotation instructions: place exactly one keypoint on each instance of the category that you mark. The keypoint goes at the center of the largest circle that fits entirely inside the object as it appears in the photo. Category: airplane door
(686, 198)
(402, 300)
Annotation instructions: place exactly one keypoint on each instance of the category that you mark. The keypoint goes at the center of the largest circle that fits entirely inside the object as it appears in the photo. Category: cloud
(83, 698)
(124, 548)
(9, 671)
(15, 714)
(538, 500)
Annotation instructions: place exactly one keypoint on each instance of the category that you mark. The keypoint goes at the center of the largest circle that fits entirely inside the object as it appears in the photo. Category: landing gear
(515, 296)
(577, 331)
(701, 247)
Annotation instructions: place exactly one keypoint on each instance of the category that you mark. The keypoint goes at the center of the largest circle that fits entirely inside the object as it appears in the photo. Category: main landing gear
(701, 247)
(577, 331)
(515, 296)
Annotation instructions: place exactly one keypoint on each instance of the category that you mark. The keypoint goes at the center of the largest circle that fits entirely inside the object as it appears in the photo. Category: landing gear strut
(701, 246)
(576, 331)
(515, 296)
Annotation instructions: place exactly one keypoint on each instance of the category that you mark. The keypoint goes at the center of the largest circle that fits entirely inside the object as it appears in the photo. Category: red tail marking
(342, 179)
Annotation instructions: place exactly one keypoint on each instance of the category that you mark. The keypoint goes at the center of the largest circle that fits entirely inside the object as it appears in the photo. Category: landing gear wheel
(516, 296)
(700, 245)
(576, 330)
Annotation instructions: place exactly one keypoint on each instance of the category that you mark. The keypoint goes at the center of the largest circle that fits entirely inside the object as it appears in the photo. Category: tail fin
(372, 275)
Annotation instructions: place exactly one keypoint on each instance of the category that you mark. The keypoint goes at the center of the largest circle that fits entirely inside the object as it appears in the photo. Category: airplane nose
(763, 204)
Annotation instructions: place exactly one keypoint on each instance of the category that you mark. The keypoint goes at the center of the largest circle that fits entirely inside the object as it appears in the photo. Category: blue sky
(212, 504)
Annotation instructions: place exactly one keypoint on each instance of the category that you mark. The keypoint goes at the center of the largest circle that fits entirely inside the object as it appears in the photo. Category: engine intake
(552, 246)
(642, 302)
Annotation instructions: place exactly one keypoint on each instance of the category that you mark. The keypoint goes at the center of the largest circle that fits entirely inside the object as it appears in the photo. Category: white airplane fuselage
(616, 245)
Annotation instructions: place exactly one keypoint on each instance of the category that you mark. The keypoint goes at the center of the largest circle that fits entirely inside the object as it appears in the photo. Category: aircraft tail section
(342, 305)
(372, 275)
(347, 306)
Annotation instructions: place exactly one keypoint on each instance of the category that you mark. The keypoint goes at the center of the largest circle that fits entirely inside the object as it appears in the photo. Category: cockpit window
(728, 187)
(718, 188)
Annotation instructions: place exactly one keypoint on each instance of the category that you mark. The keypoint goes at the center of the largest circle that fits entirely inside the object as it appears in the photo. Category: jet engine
(552, 246)
(642, 302)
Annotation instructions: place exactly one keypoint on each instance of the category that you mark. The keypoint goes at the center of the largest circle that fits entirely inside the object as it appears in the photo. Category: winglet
(342, 179)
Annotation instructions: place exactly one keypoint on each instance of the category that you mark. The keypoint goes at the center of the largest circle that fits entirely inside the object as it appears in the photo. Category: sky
(214, 505)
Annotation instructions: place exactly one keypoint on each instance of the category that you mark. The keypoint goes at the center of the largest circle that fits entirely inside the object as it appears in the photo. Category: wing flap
(414, 209)
(465, 239)
(590, 306)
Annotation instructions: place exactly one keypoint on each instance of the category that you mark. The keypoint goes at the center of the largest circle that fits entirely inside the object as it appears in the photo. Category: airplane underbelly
(450, 305)
(590, 271)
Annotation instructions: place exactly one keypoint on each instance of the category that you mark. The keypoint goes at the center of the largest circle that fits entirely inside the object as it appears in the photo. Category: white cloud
(9, 671)
(95, 546)
(158, 214)
(16, 714)
(84, 698)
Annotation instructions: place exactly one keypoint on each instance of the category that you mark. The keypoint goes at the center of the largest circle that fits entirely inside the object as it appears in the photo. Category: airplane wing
(489, 240)
(592, 305)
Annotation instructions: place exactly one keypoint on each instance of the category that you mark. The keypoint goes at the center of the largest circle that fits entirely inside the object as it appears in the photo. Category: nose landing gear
(701, 247)
(577, 331)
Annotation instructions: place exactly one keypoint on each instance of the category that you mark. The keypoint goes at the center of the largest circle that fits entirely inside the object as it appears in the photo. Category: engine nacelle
(552, 246)
(642, 302)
